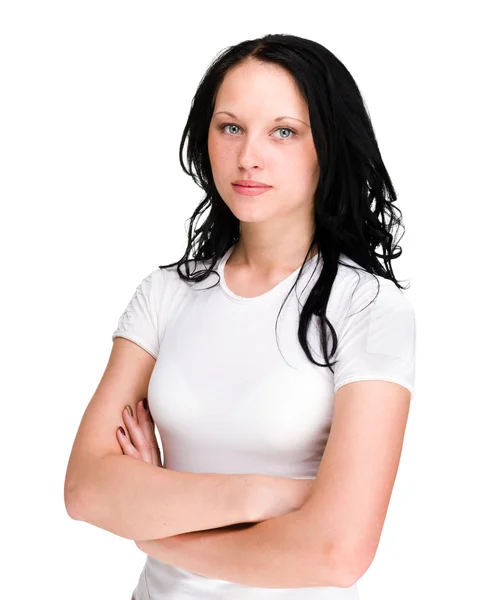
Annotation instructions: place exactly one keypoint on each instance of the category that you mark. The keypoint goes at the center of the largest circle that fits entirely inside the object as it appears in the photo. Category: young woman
(278, 362)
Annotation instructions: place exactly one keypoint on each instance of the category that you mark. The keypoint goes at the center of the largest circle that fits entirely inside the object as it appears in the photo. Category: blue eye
(224, 125)
(286, 129)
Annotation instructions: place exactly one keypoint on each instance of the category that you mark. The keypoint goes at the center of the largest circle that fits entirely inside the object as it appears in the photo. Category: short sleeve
(377, 339)
(139, 321)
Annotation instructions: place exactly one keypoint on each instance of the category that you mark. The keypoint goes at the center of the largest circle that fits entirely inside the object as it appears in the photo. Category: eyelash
(221, 128)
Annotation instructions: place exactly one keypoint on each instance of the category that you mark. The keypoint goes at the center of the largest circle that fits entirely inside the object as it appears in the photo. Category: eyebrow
(277, 118)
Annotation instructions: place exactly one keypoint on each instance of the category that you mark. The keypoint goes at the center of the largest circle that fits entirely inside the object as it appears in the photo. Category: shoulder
(363, 299)
(363, 285)
(155, 280)
(168, 285)
(376, 322)
(155, 285)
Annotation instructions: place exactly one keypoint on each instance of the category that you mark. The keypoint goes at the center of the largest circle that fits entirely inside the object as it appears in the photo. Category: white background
(94, 98)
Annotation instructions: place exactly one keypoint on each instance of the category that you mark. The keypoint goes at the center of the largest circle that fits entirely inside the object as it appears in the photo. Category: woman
(298, 197)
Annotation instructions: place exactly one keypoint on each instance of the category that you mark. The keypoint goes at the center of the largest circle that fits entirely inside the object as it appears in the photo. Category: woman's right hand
(281, 495)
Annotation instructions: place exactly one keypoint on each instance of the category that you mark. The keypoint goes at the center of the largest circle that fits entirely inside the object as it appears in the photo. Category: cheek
(304, 165)
(219, 154)
(301, 169)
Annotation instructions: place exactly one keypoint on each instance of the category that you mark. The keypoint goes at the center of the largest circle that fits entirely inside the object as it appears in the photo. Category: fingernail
(129, 410)
(122, 431)
(145, 403)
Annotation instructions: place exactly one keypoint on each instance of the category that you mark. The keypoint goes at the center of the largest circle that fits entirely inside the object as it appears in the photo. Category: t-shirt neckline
(274, 290)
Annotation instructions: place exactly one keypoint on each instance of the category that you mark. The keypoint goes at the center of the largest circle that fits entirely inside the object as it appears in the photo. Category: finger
(148, 427)
(127, 447)
(134, 430)
(145, 423)
(138, 437)
(145, 405)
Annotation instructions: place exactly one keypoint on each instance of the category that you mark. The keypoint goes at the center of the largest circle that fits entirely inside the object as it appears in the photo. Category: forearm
(277, 553)
(139, 501)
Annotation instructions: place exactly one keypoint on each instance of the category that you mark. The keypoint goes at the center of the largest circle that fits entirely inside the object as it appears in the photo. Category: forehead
(258, 90)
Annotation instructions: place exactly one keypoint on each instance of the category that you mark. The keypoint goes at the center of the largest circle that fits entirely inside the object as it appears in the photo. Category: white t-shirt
(227, 397)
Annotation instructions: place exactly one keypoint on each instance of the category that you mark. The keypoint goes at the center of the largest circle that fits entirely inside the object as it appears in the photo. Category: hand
(142, 444)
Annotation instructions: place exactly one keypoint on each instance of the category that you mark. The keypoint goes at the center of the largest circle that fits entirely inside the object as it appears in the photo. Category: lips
(245, 190)
(252, 184)
(251, 187)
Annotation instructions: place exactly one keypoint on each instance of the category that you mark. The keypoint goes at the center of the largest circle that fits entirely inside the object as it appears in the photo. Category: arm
(281, 552)
(138, 501)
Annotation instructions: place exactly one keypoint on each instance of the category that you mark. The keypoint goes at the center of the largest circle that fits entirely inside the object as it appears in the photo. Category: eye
(286, 129)
(224, 125)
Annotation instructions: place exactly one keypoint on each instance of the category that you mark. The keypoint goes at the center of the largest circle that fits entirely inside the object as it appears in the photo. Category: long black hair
(353, 201)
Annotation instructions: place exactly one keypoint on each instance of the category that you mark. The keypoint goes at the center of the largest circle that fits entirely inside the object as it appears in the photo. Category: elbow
(80, 508)
(75, 499)
(72, 493)
(71, 503)
(346, 568)
(76, 491)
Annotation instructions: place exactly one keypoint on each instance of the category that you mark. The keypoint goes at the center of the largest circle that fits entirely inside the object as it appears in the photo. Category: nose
(249, 155)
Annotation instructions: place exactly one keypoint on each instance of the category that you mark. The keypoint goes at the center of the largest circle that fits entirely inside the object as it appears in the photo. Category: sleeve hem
(136, 340)
(374, 377)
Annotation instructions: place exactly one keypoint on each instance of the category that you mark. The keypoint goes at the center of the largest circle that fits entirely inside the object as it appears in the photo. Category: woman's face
(253, 145)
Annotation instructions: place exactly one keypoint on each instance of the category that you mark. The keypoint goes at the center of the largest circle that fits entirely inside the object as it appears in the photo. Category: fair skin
(276, 230)
(141, 442)
(332, 539)
(276, 227)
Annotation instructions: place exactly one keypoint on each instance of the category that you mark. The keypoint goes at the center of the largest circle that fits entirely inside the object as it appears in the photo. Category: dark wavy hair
(353, 201)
